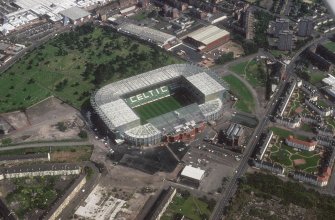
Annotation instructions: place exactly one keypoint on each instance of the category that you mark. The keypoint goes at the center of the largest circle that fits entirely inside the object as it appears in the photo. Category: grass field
(316, 77)
(58, 154)
(157, 108)
(74, 64)
(285, 155)
(253, 71)
(246, 102)
(330, 45)
(190, 207)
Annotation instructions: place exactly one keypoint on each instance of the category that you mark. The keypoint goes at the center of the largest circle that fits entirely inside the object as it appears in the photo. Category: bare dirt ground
(299, 162)
(38, 123)
(18, 120)
(129, 185)
(231, 46)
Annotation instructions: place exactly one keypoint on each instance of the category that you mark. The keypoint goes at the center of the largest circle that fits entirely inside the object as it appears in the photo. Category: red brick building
(186, 132)
(207, 38)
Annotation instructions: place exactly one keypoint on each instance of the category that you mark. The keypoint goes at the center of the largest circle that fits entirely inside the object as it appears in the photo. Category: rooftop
(74, 13)
(301, 142)
(146, 33)
(193, 173)
(206, 84)
(119, 113)
(39, 167)
(207, 35)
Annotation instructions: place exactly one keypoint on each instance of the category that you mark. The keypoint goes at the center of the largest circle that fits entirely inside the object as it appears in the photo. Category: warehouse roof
(74, 13)
(193, 173)
(209, 34)
(146, 33)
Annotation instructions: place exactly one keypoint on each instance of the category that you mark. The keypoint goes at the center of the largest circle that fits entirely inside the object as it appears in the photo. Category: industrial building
(233, 135)
(192, 175)
(114, 104)
(75, 15)
(148, 34)
(207, 38)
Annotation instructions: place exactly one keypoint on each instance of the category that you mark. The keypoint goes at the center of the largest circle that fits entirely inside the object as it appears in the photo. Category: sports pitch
(163, 105)
(157, 108)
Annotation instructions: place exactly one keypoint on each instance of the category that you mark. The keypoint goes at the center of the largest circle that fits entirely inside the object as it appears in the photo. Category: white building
(192, 174)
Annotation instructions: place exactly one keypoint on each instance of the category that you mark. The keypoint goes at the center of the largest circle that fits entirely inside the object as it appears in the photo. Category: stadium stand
(111, 103)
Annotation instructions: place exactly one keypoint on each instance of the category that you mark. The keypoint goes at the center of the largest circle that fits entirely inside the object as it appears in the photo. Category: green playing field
(157, 108)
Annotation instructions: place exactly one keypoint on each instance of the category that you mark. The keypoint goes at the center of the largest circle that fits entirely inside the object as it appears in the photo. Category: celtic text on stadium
(167, 104)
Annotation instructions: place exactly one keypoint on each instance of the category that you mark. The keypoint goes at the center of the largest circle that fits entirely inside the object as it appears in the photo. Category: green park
(245, 102)
(253, 71)
(74, 64)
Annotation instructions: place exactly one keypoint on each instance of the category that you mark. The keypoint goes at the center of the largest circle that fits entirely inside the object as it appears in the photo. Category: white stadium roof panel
(119, 113)
(209, 34)
(193, 173)
(141, 131)
(74, 13)
(205, 83)
(330, 80)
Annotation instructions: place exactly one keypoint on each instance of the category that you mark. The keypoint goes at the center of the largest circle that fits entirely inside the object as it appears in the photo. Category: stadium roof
(206, 84)
(330, 80)
(209, 34)
(210, 107)
(147, 130)
(119, 113)
(74, 13)
(146, 33)
(139, 82)
(109, 101)
(193, 173)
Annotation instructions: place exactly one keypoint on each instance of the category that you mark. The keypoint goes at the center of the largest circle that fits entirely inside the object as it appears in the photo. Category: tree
(224, 58)
(82, 134)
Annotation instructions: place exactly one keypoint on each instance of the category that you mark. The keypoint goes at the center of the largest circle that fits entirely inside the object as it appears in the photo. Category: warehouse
(75, 15)
(192, 175)
(148, 34)
(207, 38)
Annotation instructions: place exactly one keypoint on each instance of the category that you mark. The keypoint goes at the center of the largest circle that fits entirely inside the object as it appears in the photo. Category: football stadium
(167, 104)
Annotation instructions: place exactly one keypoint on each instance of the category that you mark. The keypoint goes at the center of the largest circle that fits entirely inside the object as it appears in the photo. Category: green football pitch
(157, 108)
